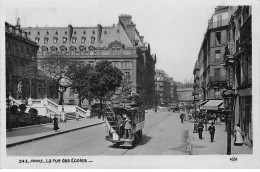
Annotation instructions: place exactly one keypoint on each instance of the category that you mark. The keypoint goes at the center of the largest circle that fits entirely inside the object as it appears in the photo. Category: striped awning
(212, 105)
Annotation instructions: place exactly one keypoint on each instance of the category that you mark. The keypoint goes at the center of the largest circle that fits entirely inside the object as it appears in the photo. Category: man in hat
(211, 131)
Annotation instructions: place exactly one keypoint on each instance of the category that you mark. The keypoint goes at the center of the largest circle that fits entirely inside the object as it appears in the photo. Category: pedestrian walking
(128, 128)
(238, 136)
(200, 129)
(211, 131)
(182, 117)
(218, 122)
(55, 124)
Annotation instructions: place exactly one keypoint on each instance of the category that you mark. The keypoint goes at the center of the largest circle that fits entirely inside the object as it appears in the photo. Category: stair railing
(81, 112)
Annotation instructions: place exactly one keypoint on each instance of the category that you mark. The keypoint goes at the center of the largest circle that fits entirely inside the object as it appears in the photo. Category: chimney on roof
(129, 26)
(18, 26)
(99, 31)
(70, 31)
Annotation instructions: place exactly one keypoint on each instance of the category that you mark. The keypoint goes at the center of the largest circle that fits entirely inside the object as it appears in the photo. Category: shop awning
(212, 105)
(221, 106)
(202, 102)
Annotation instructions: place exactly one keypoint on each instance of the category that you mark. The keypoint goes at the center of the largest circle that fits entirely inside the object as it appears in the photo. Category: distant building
(184, 92)
(20, 52)
(165, 89)
(121, 44)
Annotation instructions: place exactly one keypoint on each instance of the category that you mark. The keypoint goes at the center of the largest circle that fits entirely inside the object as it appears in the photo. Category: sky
(174, 29)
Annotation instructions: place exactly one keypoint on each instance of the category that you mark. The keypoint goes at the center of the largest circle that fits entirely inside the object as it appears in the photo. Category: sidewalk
(219, 146)
(28, 134)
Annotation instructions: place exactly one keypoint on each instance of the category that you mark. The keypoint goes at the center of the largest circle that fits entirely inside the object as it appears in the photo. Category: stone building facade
(20, 52)
(121, 44)
(238, 63)
(225, 61)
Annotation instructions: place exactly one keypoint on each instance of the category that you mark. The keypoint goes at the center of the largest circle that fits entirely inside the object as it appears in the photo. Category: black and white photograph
(130, 84)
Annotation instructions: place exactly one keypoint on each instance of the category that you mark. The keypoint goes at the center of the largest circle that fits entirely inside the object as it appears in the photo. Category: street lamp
(229, 97)
(63, 89)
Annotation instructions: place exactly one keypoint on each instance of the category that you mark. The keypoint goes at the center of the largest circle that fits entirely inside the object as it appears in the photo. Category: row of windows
(64, 40)
(18, 48)
(65, 33)
(122, 64)
(73, 50)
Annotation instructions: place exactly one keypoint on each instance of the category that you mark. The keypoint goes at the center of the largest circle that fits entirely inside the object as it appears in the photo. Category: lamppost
(229, 97)
(63, 114)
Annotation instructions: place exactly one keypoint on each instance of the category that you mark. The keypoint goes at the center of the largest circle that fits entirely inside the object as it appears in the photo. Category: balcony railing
(217, 79)
(246, 30)
(217, 24)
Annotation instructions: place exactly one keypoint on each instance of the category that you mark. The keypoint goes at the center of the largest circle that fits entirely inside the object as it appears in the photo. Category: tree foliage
(79, 74)
(104, 80)
(56, 66)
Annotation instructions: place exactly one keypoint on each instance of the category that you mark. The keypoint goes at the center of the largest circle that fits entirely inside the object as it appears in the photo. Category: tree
(105, 78)
(56, 67)
(79, 73)
(124, 90)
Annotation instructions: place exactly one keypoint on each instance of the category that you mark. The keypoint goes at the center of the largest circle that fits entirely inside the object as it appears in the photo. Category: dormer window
(55, 39)
(83, 40)
(37, 39)
(74, 39)
(46, 40)
(92, 39)
(64, 40)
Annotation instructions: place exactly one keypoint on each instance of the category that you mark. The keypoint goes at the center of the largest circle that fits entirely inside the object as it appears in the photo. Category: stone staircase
(49, 108)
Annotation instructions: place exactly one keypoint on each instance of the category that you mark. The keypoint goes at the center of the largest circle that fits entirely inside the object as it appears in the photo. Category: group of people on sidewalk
(237, 133)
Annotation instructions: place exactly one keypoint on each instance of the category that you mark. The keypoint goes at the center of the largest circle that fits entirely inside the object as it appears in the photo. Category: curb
(50, 135)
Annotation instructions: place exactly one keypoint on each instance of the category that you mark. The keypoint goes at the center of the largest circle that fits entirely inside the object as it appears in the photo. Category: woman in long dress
(55, 124)
(238, 136)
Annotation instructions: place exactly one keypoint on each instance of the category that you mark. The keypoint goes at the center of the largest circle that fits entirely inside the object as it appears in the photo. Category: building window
(55, 40)
(7, 45)
(72, 92)
(27, 51)
(218, 38)
(84, 32)
(127, 64)
(217, 55)
(53, 51)
(56, 33)
(105, 32)
(47, 33)
(93, 32)
(21, 50)
(46, 40)
(63, 51)
(91, 63)
(91, 52)
(64, 40)
(38, 33)
(15, 47)
(75, 32)
(37, 39)
(83, 40)
(127, 75)
(74, 39)
(65, 33)
(92, 39)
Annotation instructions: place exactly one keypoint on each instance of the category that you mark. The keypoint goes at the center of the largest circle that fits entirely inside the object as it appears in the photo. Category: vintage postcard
(129, 84)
